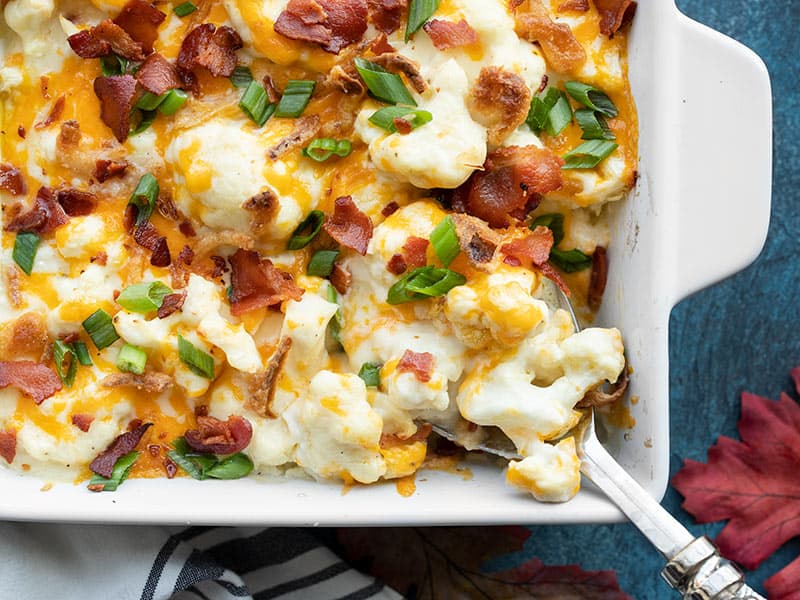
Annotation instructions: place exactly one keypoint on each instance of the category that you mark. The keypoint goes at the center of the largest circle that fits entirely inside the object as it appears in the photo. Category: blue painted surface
(743, 333)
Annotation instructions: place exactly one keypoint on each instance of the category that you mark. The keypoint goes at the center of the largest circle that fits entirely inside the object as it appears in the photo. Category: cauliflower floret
(551, 473)
(406, 391)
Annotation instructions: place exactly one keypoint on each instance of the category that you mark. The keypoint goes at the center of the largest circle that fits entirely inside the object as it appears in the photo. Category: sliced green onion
(172, 101)
(570, 261)
(25, 246)
(184, 9)
(180, 455)
(591, 97)
(201, 466)
(321, 264)
(593, 124)
(385, 86)
(82, 352)
(418, 13)
(371, 374)
(120, 473)
(235, 466)
(385, 117)
(295, 98)
(113, 65)
(149, 101)
(241, 76)
(144, 197)
(337, 321)
(146, 118)
(321, 149)
(589, 154)
(201, 363)
(424, 282)
(559, 116)
(131, 359)
(540, 108)
(256, 104)
(143, 297)
(307, 230)
(101, 329)
(62, 352)
(554, 222)
(445, 241)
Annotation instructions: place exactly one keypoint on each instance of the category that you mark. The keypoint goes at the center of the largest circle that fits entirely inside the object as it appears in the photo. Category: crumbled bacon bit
(101, 258)
(386, 15)
(262, 387)
(44, 86)
(134, 424)
(305, 128)
(345, 79)
(76, 203)
(187, 229)
(54, 114)
(220, 437)
(597, 282)
(154, 449)
(596, 397)
(106, 169)
(397, 265)
(86, 45)
(560, 47)
(147, 236)
(26, 337)
(171, 303)
(340, 278)
(157, 75)
(533, 248)
(210, 47)
(419, 363)
(330, 23)
(551, 273)
(45, 215)
(475, 238)
(397, 63)
(70, 134)
(170, 468)
(574, 5)
(220, 267)
(381, 45)
(257, 283)
(415, 251)
(104, 463)
(614, 14)
(11, 180)
(21, 132)
(348, 225)
(82, 421)
(140, 20)
(186, 255)
(201, 410)
(402, 126)
(8, 445)
(116, 95)
(263, 208)
(119, 40)
(390, 209)
(32, 378)
(542, 84)
(500, 101)
(151, 381)
(69, 338)
(446, 34)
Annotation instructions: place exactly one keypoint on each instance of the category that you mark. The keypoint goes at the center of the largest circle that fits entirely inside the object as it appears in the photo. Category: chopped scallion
(172, 101)
(337, 321)
(201, 363)
(593, 125)
(122, 468)
(241, 77)
(371, 374)
(235, 466)
(424, 282)
(144, 197)
(385, 86)
(445, 241)
(570, 261)
(559, 116)
(100, 328)
(307, 230)
(385, 117)
(321, 264)
(186, 8)
(589, 154)
(65, 353)
(201, 466)
(149, 101)
(321, 149)
(113, 65)
(25, 246)
(82, 352)
(256, 104)
(146, 118)
(541, 105)
(591, 97)
(131, 359)
(295, 98)
(143, 297)
(554, 222)
(418, 13)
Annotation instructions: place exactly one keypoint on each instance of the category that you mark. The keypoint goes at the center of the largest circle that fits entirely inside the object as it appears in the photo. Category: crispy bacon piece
(348, 225)
(54, 114)
(597, 282)
(11, 180)
(419, 363)
(147, 236)
(45, 216)
(8, 444)
(561, 48)
(104, 463)
(345, 79)
(70, 134)
(157, 75)
(151, 381)
(390, 209)
(210, 47)
(477, 240)
(171, 303)
(106, 169)
(220, 268)
(32, 378)
(262, 387)
(403, 127)
(332, 24)
(86, 45)
(386, 15)
(397, 265)
(21, 131)
(397, 63)
(25, 337)
(220, 437)
(82, 421)
(533, 249)
(140, 20)
(510, 178)
(574, 5)
(186, 255)
(263, 208)
(120, 42)
(257, 283)
(446, 34)
(415, 252)
(500, 101)
(305, 128)
(614, 14)
(116, 95)
(381, 45)
(340, 278)
(551, 273)
(598, 398)
(76, 203)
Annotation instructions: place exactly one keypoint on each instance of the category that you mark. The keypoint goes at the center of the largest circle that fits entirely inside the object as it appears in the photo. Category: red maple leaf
(754, 485)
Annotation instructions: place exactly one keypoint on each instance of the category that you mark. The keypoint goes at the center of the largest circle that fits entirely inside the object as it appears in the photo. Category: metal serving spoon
(694, 567)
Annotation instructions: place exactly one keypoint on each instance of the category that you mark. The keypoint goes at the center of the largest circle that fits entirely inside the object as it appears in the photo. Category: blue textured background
(743, 333)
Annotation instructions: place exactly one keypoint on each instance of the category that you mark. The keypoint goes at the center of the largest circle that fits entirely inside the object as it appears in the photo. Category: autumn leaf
(445, 563)
(753, 484)
(785, 584)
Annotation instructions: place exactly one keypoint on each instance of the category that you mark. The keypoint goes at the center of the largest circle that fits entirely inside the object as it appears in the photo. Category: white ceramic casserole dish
(696, 190)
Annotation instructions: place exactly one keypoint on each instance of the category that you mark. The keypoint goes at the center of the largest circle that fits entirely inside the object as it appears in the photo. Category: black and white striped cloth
(88, 562)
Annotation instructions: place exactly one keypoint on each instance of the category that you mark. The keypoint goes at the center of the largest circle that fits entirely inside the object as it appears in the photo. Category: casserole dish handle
(723, 156)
